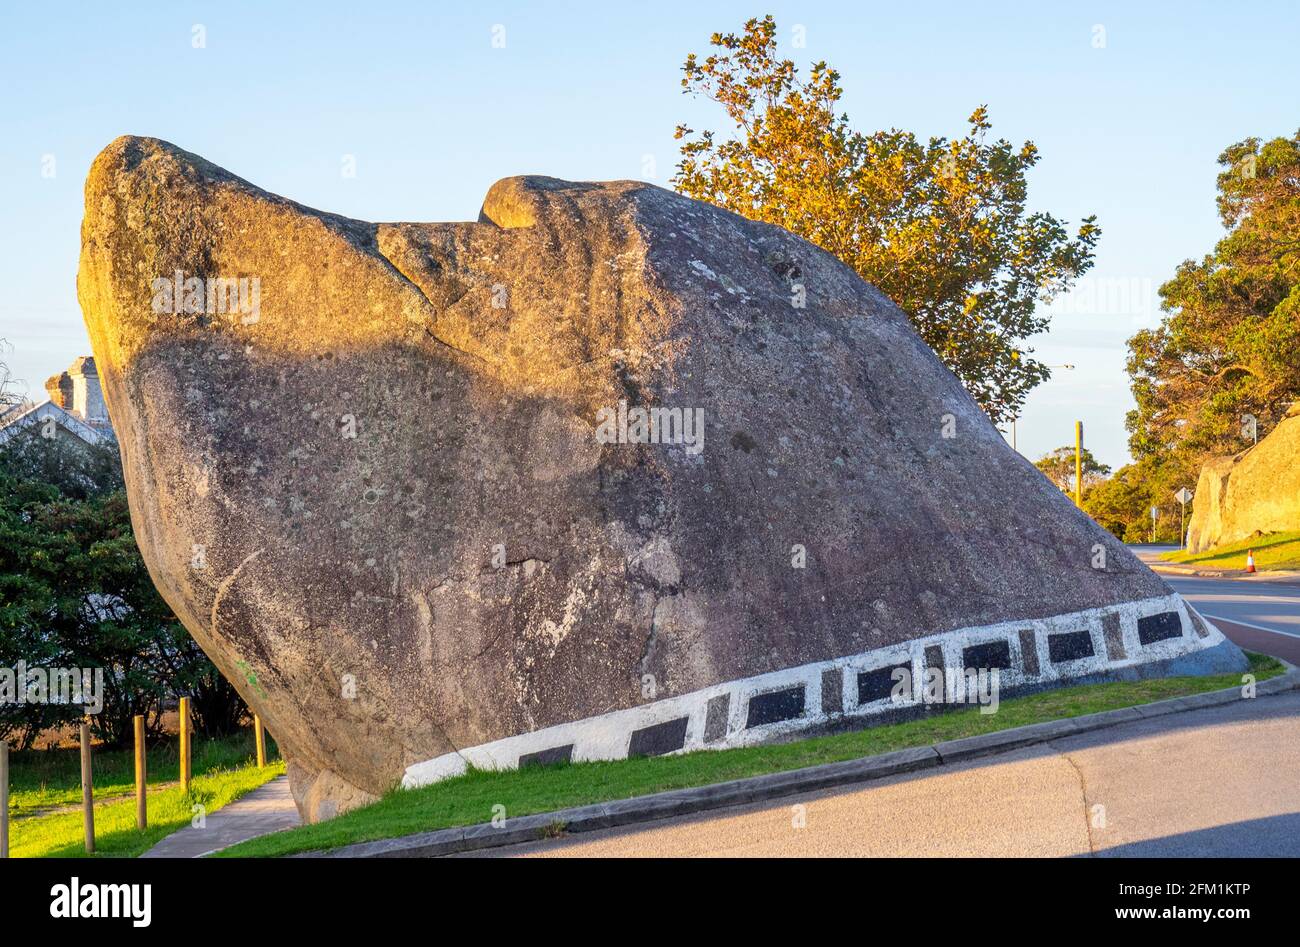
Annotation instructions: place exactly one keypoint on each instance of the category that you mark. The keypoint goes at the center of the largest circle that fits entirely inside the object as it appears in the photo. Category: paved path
(266, 809)
(1218, 782)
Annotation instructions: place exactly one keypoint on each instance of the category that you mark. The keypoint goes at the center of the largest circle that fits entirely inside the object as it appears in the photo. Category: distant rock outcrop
(608, 472)
(1256, 491)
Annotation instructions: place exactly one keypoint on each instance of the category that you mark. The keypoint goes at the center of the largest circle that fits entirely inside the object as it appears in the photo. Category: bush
(75, 593)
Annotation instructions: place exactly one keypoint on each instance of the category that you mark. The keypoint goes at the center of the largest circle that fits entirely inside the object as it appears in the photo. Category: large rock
(1254, 492)
(384, 498)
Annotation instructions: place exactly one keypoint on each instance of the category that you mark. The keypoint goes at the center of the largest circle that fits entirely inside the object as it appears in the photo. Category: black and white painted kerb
(1117, 640)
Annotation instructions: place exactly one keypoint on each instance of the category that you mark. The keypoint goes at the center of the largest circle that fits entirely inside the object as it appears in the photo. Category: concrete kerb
(680, 802)
(1279, 576)
(1188, 570)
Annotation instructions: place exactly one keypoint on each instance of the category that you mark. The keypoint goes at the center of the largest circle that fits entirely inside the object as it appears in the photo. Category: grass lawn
(469, 799)
(43, 779)
(1272, 551)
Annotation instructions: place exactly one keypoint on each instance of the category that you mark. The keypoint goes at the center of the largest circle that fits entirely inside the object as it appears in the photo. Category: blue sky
(433, 113)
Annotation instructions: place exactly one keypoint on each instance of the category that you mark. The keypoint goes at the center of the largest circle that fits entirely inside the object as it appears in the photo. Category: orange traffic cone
(1250, 560)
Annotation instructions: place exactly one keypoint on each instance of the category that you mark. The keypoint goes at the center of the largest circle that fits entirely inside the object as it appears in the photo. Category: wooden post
(141, 807)
(4, 799)
(87, 790)
(260, 736)
(185, 744)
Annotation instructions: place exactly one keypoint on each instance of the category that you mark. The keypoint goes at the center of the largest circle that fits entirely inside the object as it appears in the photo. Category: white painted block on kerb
(607, 737)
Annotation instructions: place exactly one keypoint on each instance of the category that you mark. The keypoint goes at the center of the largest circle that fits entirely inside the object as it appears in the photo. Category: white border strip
(606, 737)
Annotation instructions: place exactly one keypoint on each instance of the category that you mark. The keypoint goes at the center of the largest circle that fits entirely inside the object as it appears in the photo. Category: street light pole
(1017, 418)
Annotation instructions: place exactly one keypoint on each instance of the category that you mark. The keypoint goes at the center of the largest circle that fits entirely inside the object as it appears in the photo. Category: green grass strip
(470, 799)
(61, 836)
(1272, 551)
(50, 778)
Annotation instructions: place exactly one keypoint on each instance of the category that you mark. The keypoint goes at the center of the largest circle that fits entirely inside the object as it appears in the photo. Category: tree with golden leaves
(941, 227)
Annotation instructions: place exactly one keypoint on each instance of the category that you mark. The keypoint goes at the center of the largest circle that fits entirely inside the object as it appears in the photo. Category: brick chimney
(77, 391)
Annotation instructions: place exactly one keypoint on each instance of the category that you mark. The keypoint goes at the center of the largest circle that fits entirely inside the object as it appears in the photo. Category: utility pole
(1078, 464)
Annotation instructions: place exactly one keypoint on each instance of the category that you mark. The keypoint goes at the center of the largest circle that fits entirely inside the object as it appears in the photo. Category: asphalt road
(1257, 612)
(1218, 782)
(1224, 781)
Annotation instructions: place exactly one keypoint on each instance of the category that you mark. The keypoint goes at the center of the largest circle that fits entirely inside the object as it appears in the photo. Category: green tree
(75, 593)
(1229, 344)
(939, 226)
(25, 603)
(77, 470)
(1058, 467)
(1122, 502)
(106, 612)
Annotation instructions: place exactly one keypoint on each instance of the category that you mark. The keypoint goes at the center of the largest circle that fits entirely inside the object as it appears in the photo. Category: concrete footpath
(266, 809)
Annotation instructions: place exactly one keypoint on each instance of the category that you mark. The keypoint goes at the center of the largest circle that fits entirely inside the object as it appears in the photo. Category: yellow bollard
(141, 807)
(261, 741)
(185, 744)
(87, 790)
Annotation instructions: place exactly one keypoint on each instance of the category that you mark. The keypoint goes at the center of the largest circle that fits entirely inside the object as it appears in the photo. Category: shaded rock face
(1256, 491)
(383, 474)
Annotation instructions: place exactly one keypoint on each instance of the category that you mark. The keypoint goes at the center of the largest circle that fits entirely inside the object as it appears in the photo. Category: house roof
(22, 419)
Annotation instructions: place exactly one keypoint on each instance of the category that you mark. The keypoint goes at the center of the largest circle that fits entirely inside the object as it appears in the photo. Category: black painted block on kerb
(1159, 627)
(658, 739)
(934, 662)
(880, 683)
(833, 691)
(1113, 631)
(775, 706)
(994, 654)
(1070, 646)
(715, 718)
(556, 754)
(1029, 651)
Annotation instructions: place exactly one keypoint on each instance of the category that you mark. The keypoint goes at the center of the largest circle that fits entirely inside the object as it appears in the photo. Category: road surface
(1224, 781)
(1218, 782)
(1257, 612)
